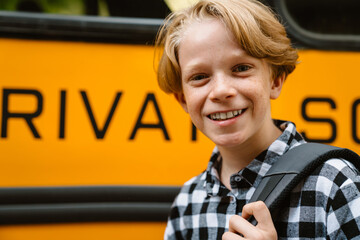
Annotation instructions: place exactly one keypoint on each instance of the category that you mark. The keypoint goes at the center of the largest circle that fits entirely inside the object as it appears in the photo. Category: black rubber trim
(83, 212)
(25, 195)
(35, 205)
(78, 28)
(306, 39)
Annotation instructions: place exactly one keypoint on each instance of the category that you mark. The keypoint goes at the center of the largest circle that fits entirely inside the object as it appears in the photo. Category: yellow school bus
(92, 149)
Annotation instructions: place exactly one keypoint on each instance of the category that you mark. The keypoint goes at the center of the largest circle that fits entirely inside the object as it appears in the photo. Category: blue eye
(198, 77)
(241, 68)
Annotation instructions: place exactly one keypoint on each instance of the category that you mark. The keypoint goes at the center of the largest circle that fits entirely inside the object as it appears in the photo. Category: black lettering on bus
(62, 114)
(139, 124)
(100, 133)
(6, 115)
(193, 132)
(319, 120)
(354, 121)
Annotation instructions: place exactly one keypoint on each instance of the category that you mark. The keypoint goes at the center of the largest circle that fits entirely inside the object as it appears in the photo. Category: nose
(222, 89)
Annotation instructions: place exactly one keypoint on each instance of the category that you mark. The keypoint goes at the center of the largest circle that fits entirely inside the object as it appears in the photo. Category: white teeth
(225, 115)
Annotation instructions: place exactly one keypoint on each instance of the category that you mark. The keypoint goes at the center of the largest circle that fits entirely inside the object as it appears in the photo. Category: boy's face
(225, 91)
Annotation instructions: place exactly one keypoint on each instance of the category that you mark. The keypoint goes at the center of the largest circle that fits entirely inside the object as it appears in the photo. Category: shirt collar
(251, 175)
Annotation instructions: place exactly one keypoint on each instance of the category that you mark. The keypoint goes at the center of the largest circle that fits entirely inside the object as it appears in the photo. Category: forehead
(209, 39)
(204, 30)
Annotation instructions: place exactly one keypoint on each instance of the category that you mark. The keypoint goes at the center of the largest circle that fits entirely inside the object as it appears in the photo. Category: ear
(180, 97)
(276, 86)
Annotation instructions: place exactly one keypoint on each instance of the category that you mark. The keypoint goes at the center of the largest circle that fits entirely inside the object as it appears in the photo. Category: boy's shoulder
(313, 174)
(332, 192)
(335, 174)
(340, 166)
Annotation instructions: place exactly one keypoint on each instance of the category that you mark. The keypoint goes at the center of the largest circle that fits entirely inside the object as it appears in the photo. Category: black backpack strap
(292, 167)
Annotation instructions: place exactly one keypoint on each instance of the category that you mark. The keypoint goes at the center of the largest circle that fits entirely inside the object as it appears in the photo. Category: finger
(231, 236)
(240, 225)
(261, 213)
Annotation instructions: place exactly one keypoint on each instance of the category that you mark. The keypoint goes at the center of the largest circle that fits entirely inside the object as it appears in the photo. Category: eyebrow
(195, 63)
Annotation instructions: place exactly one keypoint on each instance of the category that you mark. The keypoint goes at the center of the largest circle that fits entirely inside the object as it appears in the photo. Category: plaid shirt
(326, 205)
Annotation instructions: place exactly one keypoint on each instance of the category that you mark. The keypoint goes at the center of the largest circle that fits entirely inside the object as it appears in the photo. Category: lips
(220, 116)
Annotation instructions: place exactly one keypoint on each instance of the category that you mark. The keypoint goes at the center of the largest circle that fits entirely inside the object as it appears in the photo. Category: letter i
(62, 114)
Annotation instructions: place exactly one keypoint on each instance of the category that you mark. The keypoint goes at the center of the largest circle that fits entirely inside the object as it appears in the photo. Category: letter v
(100, 133)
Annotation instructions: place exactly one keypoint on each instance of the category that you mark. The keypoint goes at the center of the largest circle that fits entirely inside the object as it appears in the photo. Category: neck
(235, 158)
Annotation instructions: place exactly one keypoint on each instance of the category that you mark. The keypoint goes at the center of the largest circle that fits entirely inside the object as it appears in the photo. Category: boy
(224, 60)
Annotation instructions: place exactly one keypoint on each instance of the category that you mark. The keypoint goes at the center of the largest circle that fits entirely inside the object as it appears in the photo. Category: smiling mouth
(220, 116)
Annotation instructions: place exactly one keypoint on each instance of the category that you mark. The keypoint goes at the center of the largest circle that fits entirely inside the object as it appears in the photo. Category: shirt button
(237, 178)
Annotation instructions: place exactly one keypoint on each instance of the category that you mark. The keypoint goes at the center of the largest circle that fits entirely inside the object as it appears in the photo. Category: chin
(228, 141)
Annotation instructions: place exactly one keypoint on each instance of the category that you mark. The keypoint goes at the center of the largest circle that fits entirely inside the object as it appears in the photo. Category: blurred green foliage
(69, 7)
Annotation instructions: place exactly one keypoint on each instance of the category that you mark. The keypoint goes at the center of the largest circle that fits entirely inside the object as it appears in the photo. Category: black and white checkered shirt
(326, 205)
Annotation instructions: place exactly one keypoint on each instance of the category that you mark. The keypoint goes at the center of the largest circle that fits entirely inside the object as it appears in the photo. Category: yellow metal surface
(330, 77)
(80, 158)
(102, 71)
(84, 231)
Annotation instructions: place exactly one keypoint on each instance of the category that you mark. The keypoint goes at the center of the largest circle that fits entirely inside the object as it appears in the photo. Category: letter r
(6, 115)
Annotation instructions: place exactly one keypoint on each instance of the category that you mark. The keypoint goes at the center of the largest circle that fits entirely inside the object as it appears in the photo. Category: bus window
(75, 7)
(129, 8)
(320, 24)
(138, 8)
(326, 16)
(134, 22)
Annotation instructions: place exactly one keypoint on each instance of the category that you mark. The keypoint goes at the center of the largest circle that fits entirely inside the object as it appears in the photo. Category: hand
(240, 228)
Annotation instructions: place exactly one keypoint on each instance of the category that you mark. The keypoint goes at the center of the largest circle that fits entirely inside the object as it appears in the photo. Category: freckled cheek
(258, 99)
(252, 92)
(193, 102)
(196, 106)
